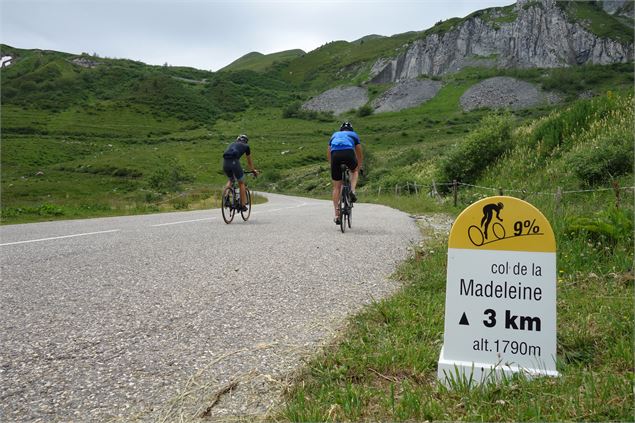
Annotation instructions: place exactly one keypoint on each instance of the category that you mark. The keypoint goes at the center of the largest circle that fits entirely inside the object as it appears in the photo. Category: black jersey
(236, 150)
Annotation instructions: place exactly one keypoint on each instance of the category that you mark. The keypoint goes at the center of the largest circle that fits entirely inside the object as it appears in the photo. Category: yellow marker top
(502, 223)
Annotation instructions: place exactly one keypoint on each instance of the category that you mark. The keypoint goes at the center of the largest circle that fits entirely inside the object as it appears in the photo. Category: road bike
(230, 202)
(346, 205)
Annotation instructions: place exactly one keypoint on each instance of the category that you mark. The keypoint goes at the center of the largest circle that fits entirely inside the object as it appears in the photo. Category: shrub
(482, 147)
(613, 225)
(604, 150)
(559, 129)
(169, 177)
(365, 110)
(603, 162)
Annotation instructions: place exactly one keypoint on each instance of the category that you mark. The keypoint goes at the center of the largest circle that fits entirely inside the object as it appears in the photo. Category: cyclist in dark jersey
(344, 148)
(231, 164)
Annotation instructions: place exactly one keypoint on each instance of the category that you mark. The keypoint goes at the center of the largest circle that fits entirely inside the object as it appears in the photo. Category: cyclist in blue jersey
(232, 168)
(344, 148)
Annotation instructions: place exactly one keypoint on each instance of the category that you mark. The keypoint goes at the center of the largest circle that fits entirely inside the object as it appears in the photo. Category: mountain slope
(529, 34)
(259, 62)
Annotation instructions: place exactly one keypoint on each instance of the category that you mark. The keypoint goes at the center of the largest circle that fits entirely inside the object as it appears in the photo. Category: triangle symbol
(464, 321)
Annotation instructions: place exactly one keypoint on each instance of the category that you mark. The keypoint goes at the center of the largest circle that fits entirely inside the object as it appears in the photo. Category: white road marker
(183, 221)
(60, 237)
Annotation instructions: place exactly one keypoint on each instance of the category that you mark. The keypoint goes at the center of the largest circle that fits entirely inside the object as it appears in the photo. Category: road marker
(183, 221)
(59, 237)
(500, 306)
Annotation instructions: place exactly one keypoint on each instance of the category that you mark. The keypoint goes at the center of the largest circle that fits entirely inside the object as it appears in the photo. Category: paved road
(156, 317)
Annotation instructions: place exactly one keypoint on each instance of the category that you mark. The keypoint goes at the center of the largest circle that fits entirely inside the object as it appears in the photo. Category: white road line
(302, 204)
(60, 237)
(282, 208)
(183, 221)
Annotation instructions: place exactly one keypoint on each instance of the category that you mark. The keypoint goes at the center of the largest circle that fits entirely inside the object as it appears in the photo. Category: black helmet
(346, 126)
(242, 138)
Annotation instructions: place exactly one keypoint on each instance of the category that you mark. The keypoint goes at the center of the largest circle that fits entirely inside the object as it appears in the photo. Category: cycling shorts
(340, 157)
(233, 170)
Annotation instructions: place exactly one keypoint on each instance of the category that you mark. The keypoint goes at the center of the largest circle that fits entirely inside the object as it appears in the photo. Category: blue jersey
(343, 140)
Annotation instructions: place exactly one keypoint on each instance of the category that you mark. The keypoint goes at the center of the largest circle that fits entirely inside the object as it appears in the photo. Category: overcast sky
(210, 34)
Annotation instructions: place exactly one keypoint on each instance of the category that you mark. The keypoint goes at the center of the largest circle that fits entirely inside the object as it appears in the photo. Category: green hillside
(260, 62)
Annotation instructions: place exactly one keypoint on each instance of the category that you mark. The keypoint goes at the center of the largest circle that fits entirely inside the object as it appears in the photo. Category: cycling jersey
(343, 140)
(236, 150)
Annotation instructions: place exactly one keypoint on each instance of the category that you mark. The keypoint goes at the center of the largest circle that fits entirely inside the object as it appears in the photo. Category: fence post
(616, 188)
(455, 191)
(500, 191)
(558, 198)
(416, 190)
(408, 187)
(434, 193)
(379, 191)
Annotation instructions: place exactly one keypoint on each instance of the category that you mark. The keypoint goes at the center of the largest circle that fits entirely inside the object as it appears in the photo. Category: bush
(169, 177)
(365, 110)
(613, 225)
(559, 129)
(609, 159)
(604, 150)
(481, 148)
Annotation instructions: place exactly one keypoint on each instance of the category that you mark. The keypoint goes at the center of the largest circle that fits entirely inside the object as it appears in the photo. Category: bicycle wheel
(245, 214)
(349, 215)
(343, 211)
(227, 206)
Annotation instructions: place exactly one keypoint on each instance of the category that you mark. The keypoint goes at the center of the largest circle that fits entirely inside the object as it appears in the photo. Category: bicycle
(231, 202)
(346, 205)
(477, 237)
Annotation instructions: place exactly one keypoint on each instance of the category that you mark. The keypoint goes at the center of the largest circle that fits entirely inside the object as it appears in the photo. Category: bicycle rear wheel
(245, 214)
(227, 207)
(343, 210)
(349, 215)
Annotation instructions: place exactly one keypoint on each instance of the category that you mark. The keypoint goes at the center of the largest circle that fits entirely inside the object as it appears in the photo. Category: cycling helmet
(242, 138)
(346, 126)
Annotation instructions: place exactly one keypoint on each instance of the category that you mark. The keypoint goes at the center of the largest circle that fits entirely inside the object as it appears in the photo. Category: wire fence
(438, 189)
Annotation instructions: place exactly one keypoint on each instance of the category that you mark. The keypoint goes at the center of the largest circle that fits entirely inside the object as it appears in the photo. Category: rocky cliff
(530, 33)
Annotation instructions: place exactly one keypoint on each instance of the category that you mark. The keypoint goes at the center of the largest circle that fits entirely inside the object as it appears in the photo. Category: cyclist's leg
(240, 177)
(229, 172)
(351, 162)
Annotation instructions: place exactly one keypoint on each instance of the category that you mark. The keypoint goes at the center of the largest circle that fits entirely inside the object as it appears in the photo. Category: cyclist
(232, 168)
(344, 148)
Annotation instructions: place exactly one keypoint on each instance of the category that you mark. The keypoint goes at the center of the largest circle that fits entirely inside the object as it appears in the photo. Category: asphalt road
(173, 315)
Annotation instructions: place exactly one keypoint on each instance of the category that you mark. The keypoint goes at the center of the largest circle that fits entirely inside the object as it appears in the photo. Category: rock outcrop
(503, 92)
(338, 100)
(406, 94)
(529, 34)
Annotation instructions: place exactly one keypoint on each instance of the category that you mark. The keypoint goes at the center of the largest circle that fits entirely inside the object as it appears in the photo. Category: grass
(260, 62)
(383, 366)
(597, 21)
